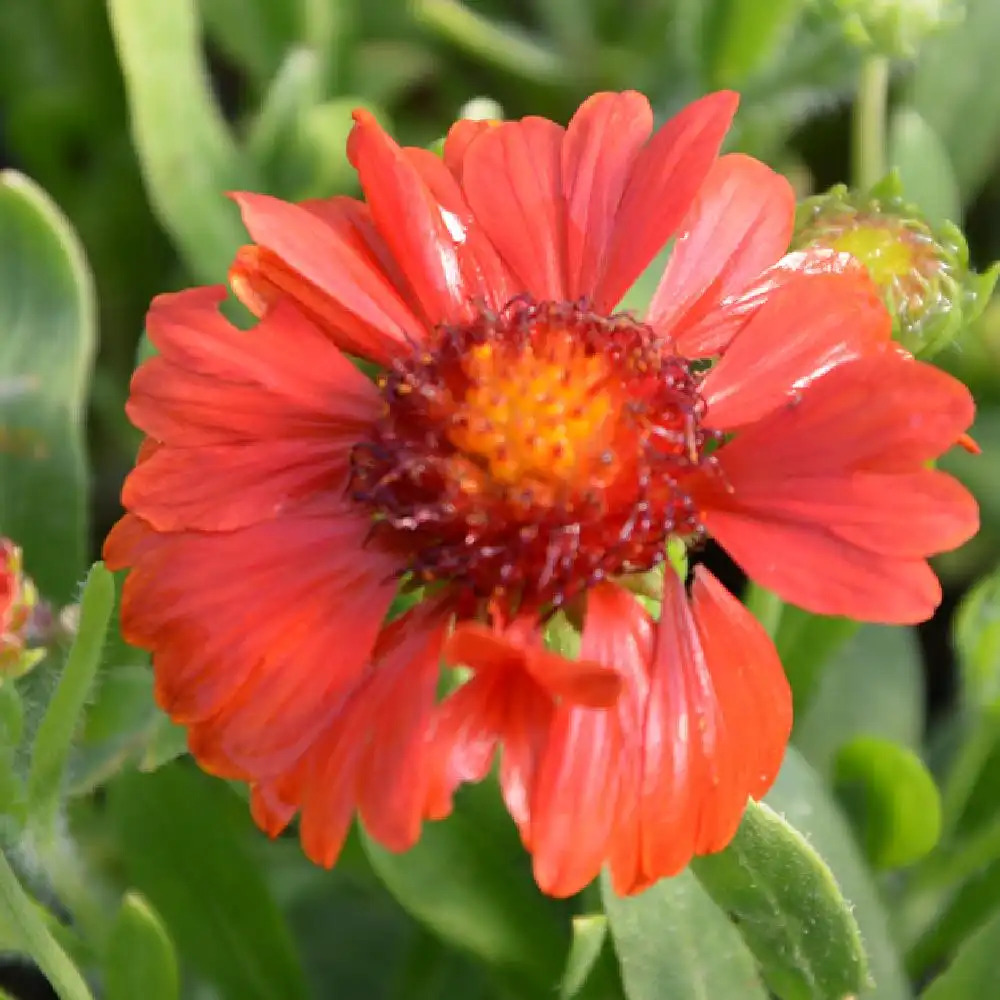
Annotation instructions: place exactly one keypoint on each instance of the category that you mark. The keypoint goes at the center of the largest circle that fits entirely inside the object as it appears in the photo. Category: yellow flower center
(542, 412)
(534, 452)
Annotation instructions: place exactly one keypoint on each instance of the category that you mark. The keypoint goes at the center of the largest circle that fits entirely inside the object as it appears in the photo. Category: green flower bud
(922, 270)
(893, 28)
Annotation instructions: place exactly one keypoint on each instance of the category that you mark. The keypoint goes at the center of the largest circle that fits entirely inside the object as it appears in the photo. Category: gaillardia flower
(310, 543)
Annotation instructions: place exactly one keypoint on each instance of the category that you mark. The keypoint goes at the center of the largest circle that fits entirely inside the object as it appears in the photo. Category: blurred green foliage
(135, 117)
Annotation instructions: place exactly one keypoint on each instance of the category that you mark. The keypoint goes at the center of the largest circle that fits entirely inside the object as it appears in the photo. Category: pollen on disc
(534, 452)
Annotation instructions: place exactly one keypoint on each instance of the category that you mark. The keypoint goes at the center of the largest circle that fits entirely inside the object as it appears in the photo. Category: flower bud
(893, 28)
(18, 602)
(921, 270)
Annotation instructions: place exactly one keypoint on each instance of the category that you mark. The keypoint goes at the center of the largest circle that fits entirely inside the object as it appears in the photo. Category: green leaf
(321, 146)
(591, 971)
(964, 911)
(799, 796)
(742, 35)
(506, 46)
(673, 941)
(166, 742)
(873, 686)
(805, 643)
(891, 798)
(140, 961)
(970, 783)
(924, 166)
(181, 835)
(789, 909)
(973, 973)
(47, 340)
(59, 726)
(467, 881)
(384, 69)
(188, 157)
(296, 87)
(947, 89)
(977, 642)
(255, 34)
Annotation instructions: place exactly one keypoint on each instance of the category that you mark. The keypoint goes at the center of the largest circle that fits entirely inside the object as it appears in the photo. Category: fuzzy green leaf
(789, 909)
(801, 798)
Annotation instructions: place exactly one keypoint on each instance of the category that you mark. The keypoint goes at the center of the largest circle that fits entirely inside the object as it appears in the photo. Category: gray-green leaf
(788, 908)
(47, 340)
(673, 941)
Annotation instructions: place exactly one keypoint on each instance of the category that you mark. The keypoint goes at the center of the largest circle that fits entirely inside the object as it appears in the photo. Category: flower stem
(870, 111)
(20, 912)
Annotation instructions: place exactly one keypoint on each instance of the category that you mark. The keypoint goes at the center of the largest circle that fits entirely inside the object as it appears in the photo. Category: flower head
(309, 544)
(18, 603)
(895, 28)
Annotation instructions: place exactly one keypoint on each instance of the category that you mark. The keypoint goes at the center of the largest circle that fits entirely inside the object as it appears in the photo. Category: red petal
(357, 303)
(224, 487)
(602, 142)
(411, 222)
(493, 707)
(740, 224)
(372, 755)
(581, 681)
(711, 737)
(827, 575)
(591, 756)
(898, 514)
(484, 276)
(241, 625)
(511, 179)
(458, 140)
(806, 328)
(663, 181)
(712, 333)
(482, 648)
(463, 738)
(270, 812)
(353, 220)
(192, 335)
(247, 427)
(750, 682)
(126, 542)
(882, 413)
(398, 701)
(526, 729)
(186, 408)
(837, 479)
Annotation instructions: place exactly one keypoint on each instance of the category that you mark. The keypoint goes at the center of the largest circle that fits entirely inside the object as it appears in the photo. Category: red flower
(18, 601)
(523, 450)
